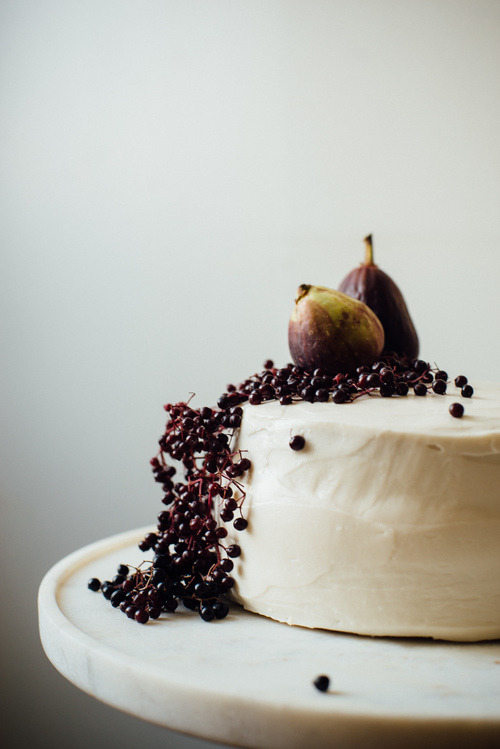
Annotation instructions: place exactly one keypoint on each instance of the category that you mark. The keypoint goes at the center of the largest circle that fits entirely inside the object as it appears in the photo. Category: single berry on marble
(322, 683)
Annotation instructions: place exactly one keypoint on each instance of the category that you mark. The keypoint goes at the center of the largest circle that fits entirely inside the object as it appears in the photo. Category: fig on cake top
(332, 331)
(369, 284)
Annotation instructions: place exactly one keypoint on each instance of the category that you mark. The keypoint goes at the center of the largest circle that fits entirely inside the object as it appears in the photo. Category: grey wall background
(170, 173)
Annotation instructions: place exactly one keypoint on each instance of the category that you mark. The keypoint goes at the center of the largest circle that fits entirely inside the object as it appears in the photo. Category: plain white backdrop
(170, 173)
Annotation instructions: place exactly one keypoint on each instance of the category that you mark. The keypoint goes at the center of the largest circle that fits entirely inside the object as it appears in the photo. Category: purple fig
(375, 288)
(332, 331)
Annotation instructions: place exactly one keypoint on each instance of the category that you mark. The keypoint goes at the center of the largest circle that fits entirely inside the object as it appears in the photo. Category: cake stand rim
(53, 620)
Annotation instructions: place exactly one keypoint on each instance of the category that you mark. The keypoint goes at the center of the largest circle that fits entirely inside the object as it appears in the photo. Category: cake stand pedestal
(247, 681)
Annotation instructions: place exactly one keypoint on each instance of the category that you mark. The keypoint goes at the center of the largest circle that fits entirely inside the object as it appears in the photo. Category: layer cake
(387, 522)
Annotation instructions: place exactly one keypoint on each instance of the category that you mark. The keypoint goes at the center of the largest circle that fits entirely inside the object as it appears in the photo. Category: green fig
(332, 331)
(375, 288)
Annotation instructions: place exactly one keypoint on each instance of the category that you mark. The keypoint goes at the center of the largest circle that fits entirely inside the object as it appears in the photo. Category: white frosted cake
(387, 522)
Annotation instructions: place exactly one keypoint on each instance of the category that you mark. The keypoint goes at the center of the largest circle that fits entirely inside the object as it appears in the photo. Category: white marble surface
(247, 680)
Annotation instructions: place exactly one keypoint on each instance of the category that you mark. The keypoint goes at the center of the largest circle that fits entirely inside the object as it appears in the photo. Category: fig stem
(302, 291)
(369, 250)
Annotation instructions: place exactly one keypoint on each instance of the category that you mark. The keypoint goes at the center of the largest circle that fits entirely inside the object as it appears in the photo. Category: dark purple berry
(386, 375)
(107, 589)
(420, 389)
(235, 421)
(460, 381)
(94, 584)
(467, 391)
(116, 597)
(456, 410)
(240, 524)
(340, 396)
(363, 381)
(170, 605)
(322, 683)
(207, 612)
(141, 616)
(420, 366)
(297, 442)
(204, 589)
(439, 386)
(322, 395)
(226, 583)
(373, 380)
(220, 609)
(308, 394)
(387, 390)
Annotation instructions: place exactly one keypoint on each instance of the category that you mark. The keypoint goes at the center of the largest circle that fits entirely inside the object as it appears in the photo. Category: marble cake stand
(247, 681)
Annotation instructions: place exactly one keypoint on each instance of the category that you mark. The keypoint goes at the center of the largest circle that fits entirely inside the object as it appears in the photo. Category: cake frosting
(386, 523)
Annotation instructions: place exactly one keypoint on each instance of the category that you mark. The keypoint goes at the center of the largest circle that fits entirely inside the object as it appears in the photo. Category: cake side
(386, 523)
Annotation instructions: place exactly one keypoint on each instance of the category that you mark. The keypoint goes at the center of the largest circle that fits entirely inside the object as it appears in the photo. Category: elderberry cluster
(390, 376)
(191, 562)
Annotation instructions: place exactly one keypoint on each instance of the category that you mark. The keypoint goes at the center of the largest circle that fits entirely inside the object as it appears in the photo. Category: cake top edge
(428, 415)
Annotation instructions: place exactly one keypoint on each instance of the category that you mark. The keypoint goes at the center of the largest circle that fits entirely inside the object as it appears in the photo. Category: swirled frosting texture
(386, 523)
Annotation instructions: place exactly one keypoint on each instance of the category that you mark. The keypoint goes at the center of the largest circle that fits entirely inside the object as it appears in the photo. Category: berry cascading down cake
(356, 489)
